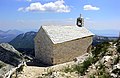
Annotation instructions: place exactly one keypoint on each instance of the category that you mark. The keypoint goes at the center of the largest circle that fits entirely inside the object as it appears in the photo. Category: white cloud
(70, 19)
(90, 7)
(20, 9)
(57, 6)
(29, 0)
(87, 18)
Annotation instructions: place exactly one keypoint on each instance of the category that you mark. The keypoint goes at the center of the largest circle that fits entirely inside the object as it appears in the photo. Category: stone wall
(43, 47)
(67, 51)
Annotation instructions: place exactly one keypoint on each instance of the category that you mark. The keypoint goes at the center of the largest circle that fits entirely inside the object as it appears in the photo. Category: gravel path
(34, 71)
(31, 72)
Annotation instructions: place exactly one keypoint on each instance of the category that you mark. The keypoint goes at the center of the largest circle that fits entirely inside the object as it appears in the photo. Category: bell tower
(80, 21)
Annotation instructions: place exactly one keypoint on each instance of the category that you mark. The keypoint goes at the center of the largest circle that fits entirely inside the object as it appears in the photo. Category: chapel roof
(59, 34)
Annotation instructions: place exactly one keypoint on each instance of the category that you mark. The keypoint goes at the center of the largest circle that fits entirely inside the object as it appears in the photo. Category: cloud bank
(25, 0)
(90, 7)
(57, 6)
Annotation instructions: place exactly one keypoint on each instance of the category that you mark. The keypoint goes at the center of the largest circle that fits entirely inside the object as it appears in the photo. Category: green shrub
(116, 60)
(2, 65)
(118, 49)
(80, 69)
(100, 49)
(39, 77)
(104, 75)
(101, 66)
(49, 72)
(20, 68)
(95, 59)
(102, 72)
(118, 45)
(68, 69)
(92, 76)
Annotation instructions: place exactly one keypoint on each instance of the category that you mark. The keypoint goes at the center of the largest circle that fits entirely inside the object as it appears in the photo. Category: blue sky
(31, 14)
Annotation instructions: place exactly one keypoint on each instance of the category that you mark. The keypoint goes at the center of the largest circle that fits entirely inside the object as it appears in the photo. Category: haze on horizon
(31, 14)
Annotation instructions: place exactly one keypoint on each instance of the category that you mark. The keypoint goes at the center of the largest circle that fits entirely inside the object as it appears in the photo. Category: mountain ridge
(7, 36)
(24, 42)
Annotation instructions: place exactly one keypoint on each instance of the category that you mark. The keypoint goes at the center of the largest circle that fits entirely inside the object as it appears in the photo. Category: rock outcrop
(10, 60)
(9, 55)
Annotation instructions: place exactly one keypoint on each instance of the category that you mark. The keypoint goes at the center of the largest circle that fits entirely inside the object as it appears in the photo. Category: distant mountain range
(7, 36)
(100, 39)
(107, 33)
